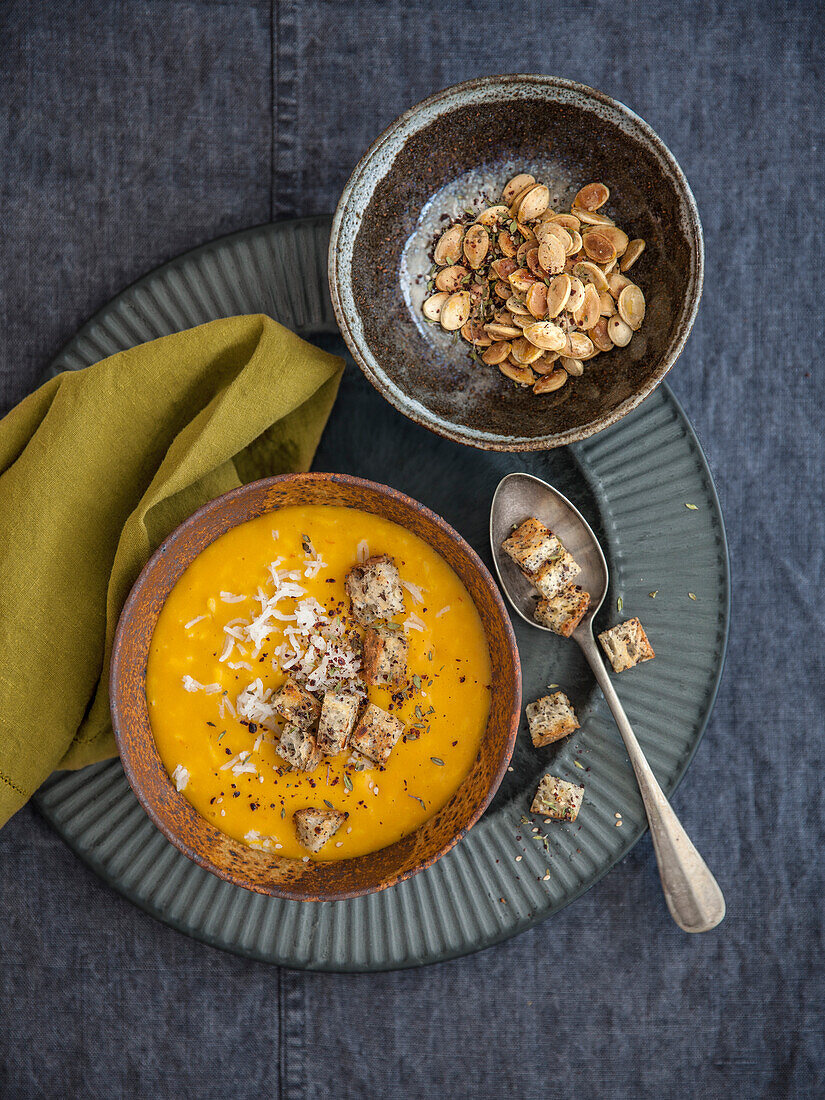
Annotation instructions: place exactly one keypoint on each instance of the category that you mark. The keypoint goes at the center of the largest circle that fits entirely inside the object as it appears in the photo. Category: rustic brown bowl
(435, 160)
(180, 822)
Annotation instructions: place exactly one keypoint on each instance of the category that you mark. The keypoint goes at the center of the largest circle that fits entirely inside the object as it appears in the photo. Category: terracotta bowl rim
(687, 312)
(134, 768)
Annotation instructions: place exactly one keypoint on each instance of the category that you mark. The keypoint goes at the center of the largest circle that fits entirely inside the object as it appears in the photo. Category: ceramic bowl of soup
(249, 601)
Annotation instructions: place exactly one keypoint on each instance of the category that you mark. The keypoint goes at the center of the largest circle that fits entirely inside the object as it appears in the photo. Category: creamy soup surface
(222, 646)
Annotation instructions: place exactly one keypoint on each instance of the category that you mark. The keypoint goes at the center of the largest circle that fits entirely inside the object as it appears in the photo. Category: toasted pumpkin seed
(496, 353)
(632, 306)
(516, 306)
(568, 221)
(531, 258)
(521, 279)
(551, 255)
(516, 184)
(523, 375)
(592, 196)
(473, 332)
(591, 217)
(502, 332)
(506, 243)
(599, 334)
(574, 367)
(578, 346)
(448, 249)
(617, 237)
(524, 352)
(576, 299)
(456, 311)
(476, 245)
(553, 229)
(619, 332)
(551, 382)
(546, 335)
(607, 303)
(534, 203)
(503, 268)
(616, 283)
(526, 231)
(536, 301)
(558, 294)
(493, 215)
(590, 311)
(575, 244)
(599, 248)
(433, 305)
(546, 365)
(589, 273)
(451, 278)
(634, 250)
(502, 290)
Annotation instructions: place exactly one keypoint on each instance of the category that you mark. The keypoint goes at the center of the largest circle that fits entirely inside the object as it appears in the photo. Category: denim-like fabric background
(133, 131)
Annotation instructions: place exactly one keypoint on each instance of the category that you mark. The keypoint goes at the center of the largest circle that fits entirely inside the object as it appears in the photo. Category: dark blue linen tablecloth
(133, 131)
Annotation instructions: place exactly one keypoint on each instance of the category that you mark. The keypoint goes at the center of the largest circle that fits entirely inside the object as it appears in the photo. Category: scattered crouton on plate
(314, 827)
(374, 589)
(384, 663)
(558, 799)
(563, 613)
(626, 645)
(551, 718)
(376, 734)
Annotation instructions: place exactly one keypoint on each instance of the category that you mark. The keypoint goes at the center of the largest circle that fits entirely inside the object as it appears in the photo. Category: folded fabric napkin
(96, 468)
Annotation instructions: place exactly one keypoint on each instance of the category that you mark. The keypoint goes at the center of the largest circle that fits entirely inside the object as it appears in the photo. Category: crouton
(556, 575)
(532, 545)
(339, 711)
(551, 718)
(374, 589)
(384, 661)
(376, 734)
(563, 613)
(626, 645)
(555, 798)
(296, 704)
(314, 827)
(299, 748)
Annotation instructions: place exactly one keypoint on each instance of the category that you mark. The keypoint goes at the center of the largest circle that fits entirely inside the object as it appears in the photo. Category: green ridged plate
(631, 482)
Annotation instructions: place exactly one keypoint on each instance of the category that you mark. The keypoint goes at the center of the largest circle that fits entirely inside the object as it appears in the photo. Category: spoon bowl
(519, 496)
(692, 894)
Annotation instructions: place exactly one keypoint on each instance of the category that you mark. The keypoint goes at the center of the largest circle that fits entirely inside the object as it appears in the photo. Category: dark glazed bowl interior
(178, 819)
(435, 160)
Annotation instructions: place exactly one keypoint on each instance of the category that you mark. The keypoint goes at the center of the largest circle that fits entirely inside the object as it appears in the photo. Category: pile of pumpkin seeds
(535, 292)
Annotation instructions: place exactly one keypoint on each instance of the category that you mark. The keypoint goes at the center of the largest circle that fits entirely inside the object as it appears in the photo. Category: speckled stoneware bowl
(178, 819)
(442, 154)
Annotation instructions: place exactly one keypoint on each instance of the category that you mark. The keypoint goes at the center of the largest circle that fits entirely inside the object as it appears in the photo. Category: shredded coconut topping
(191, 623)
(190, 684)
(180, 776)
(413, 622)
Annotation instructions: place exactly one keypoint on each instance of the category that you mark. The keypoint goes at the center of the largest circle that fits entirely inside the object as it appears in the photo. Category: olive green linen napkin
(96, 468)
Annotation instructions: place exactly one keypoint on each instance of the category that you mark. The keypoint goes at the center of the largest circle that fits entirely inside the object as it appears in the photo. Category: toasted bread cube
(314, 827)
(294, 703)
(532, 545)
(563, 613)
(339, 712)
(557, 799)
(556, 575)
(626, 645)
(384, 662)
(376, 734)
(551, 718)
(299, 748)
(374, 589)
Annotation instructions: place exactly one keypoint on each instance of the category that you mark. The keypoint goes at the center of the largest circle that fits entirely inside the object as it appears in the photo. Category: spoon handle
(692, 894)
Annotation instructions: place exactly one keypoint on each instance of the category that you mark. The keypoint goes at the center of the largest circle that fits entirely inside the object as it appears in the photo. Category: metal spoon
(692, 893)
